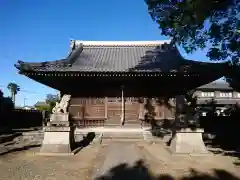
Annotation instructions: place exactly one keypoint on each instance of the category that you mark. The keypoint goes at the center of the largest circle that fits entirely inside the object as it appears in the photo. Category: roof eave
(17, 66)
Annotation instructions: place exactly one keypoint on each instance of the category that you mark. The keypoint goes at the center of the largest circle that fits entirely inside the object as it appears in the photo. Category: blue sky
(41, 31)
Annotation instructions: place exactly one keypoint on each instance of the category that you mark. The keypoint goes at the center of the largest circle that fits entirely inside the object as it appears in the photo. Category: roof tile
(113, 57)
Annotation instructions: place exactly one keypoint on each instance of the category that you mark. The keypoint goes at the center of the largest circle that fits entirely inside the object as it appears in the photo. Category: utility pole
(24, 102)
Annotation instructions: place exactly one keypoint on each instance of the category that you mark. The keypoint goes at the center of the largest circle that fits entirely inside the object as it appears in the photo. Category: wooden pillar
(163, 112)
(106, 107)
(178, 112)
(144, 111)
(84, 110)
(122, 106)
(141, 110)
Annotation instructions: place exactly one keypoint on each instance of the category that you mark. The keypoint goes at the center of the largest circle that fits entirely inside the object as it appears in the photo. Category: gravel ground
(152, 161)
(25, 165)
(159, 161)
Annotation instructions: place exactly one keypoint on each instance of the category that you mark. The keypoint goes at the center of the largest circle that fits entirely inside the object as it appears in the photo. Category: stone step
(31, 136)
(131, 123)
(106, 142)
(125, 126)
(9, 137)
(147, 135)
(119, 136)
(9, 143)
(131, 126)
(122, 135)
(132, 120)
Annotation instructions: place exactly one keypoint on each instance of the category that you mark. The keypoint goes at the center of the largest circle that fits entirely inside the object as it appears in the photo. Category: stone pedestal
(58, 137)
(188, 141)
(59, 119)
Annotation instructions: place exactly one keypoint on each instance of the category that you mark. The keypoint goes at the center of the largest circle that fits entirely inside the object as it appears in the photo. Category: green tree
(14, 89)
(51, 100)
(198, 24)
(43, 108)
(1, 95)
(6, 103)
(190, 109)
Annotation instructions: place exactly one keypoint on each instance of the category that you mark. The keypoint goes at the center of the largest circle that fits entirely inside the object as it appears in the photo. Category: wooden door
(95, 108)
(132, 107)
(114, 111)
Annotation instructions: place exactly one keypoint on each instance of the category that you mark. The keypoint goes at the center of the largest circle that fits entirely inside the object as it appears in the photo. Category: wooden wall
(107, 111)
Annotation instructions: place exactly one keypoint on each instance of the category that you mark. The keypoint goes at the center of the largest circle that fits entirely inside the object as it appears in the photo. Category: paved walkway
(122, 161)
(118, 153)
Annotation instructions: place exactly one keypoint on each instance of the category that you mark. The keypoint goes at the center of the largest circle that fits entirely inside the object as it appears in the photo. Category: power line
(32, 92)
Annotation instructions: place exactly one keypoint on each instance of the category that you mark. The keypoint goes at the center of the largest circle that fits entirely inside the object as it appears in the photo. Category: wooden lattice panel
(132, 111)
(114, 110)
(95, 110)
(76, 110)
(77, 101)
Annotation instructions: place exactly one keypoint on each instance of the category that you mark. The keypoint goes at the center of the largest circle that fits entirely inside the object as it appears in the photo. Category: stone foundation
(57, 141)
(188, 141)
(58, 136)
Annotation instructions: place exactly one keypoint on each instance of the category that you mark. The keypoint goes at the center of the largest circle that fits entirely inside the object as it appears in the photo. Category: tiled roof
(41, 103)
(107, 56)
(216, 86)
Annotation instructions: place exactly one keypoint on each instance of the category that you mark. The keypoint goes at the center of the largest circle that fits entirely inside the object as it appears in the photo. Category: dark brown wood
(114, 111)
(106, 107)
(83, 123)
(93, 112)
(132, 108)
(138, 86)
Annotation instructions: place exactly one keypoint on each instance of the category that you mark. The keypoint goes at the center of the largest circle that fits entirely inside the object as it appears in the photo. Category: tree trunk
(13, 98)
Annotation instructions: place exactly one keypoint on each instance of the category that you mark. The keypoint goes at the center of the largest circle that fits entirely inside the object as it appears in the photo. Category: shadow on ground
(84, 142)
(20, 149)
(139, 171)
(237, 163)
(163, 129)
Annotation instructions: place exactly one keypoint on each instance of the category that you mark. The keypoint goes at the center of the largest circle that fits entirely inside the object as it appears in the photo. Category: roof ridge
(120, 43)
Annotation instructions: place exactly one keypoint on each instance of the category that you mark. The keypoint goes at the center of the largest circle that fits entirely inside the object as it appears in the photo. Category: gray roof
(40, 103)
(119, 57)
(218, 101)
(216, 86)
